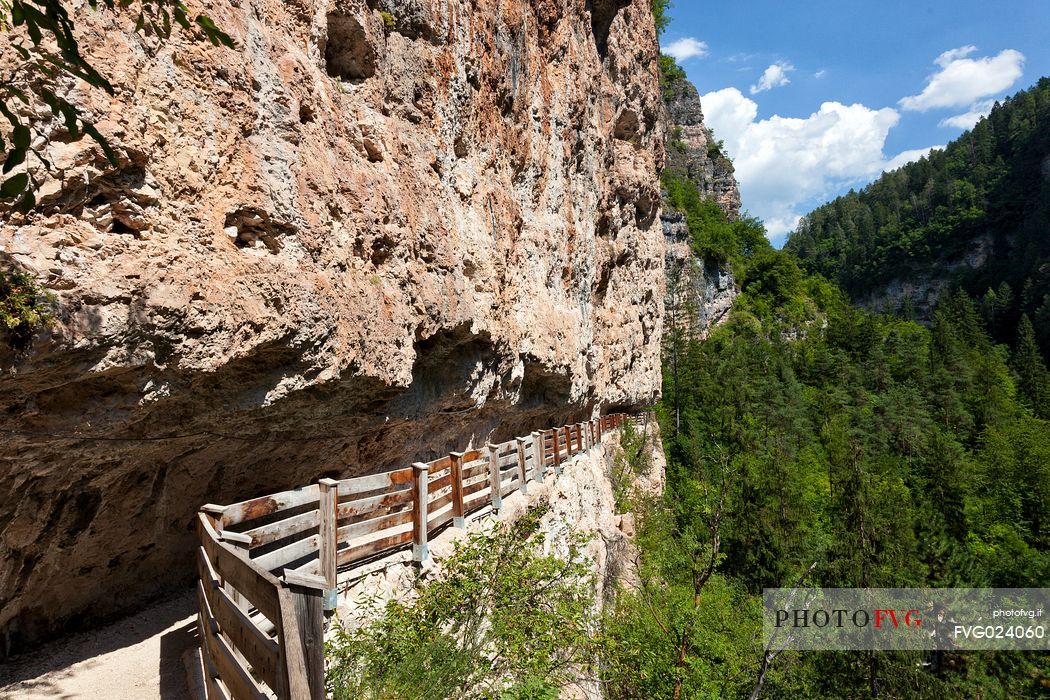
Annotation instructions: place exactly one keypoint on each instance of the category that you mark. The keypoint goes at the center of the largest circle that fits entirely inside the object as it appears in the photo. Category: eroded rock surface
(700, 294)
(694, 151)
(348, 244)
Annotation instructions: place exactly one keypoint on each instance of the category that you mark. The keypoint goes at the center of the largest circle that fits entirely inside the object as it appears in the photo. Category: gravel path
(138, 658)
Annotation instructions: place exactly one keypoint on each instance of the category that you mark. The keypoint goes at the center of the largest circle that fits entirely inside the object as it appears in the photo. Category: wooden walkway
(268, 566)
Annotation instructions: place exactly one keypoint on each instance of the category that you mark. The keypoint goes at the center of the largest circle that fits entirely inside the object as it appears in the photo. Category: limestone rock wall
(693, 150)
(699, 294)
(920, 289)
(371, 231)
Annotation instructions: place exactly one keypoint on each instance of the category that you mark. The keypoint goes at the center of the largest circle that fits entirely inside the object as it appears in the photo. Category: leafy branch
(42, 34)
(24, 307)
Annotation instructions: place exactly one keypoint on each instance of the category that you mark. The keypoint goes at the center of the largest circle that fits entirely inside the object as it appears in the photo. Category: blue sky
(814, 98)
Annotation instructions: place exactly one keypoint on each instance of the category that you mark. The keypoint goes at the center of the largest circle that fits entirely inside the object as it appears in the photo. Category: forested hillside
(806, 435)
(810, 440)
(976, 214)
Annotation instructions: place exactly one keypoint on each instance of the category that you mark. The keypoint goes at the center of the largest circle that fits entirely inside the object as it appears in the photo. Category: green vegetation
(660, 17)
(807, 438)
(715, 148)
(31, 85)
(672, 76)
(501, 621)
(633, 461)
(24, 307)
(389, 21)
(990, 184)
(675, 142)
(712, 237)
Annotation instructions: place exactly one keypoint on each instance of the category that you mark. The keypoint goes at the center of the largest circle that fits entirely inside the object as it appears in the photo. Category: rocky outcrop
(700, 294)
(917, 290)
(692, 149)
(371, 230)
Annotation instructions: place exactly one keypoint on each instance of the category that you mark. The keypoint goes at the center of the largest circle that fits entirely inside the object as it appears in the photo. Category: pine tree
(1033, 383)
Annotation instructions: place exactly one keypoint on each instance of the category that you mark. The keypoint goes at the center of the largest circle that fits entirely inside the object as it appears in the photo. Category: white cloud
(905, 157)
(740, 57)
(968, 119)
(729, 113)
(820, 74)
(952, 55)
(774, 76)
(686, 47)
(784, 164)
(962, 80)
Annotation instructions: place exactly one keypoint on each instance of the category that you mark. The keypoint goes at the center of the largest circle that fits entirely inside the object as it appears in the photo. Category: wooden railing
(268, 566)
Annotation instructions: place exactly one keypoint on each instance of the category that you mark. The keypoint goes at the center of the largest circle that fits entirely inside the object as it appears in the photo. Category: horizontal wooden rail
(268, 565)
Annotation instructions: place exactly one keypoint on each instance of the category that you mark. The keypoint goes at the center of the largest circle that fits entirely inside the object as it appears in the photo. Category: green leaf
(21, 137)
(14, 185)
(80, 69)
(180, 16)
(214, 34)
(18, 93)
(34, 31)
(7, 113)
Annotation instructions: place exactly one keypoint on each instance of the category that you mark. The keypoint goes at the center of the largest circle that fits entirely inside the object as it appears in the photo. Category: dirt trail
(138, 658)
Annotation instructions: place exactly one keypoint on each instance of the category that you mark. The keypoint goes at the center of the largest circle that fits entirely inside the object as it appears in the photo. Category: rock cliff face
(372, 230)
(700, 295)
(921, 288)
(692, 149)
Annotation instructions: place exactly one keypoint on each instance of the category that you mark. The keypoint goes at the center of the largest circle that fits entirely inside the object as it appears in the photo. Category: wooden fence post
(327, 504)
(522, 483)
(241, 543)
(496, 494)
(307, 606)
(557, 451)
(456, 470)
(537, 457)
(421, 486)
(579, 437)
